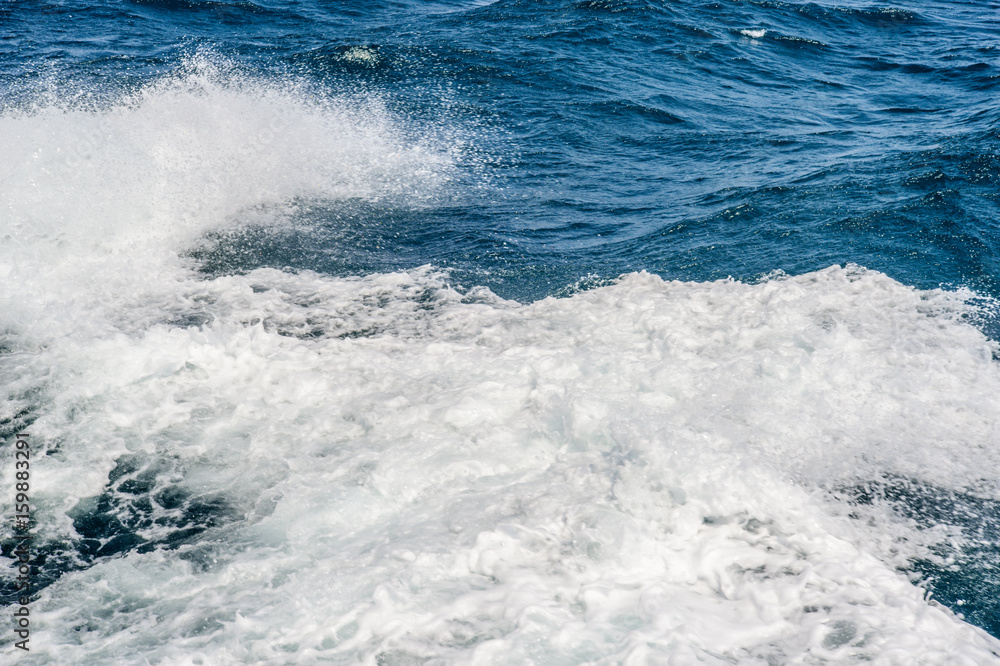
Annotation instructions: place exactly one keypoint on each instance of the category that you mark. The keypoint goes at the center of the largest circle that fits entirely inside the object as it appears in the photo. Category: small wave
(906, 109)
(800, 41)
(886, 15)
(644, 111)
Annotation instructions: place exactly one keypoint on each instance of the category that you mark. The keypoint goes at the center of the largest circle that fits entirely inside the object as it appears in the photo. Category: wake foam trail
(384, 470)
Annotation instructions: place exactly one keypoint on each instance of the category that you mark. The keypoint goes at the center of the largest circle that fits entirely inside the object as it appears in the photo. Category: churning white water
(280, 467)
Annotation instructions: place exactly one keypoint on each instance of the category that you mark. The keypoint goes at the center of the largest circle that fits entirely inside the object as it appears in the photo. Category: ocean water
(514, 332)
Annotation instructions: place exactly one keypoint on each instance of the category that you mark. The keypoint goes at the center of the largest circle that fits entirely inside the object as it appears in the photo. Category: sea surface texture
(542, 332)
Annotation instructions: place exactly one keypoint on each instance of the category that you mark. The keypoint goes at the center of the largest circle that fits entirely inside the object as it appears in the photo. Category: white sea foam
(97, 199)
(647, 472)
(755, 33)
(636, 473)
(362, 55)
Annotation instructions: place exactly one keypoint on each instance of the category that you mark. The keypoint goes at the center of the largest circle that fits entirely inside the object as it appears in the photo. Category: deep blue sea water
(276, 310)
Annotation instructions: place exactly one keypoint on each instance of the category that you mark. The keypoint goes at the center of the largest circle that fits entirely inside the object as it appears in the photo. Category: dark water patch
(338, 238)
(964, 574)
(877, 64)
(916, 68)
(188, 319)
(898, 109)
(144, 507)
(355, 238)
